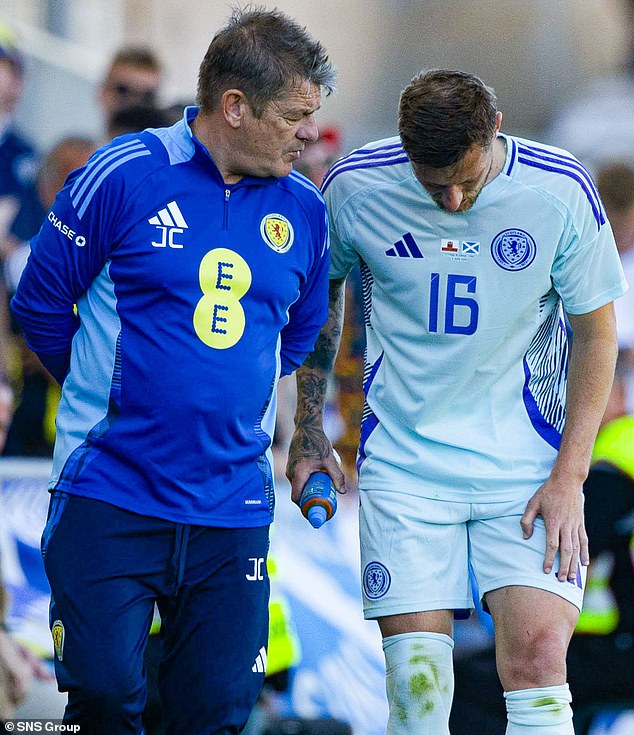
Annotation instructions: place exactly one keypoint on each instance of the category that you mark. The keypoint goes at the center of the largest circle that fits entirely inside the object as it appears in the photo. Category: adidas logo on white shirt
(405, 248)
(259, 667)
(169, 221)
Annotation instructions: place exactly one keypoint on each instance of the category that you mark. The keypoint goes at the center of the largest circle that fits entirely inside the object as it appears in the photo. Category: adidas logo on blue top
(405, 248)
(169, 221)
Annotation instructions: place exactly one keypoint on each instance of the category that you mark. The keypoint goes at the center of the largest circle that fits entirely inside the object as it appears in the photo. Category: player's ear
(233, 104)
(498, 123)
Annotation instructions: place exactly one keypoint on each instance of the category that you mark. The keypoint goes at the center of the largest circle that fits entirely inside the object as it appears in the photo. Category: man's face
(455, 188)
(270, 144)
(11, 85)
(129, 85)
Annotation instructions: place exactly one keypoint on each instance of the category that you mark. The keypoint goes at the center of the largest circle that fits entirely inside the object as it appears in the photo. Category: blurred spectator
(597, 125)
(66, 155)
(18, 158)
(136, 118)
(18, 162)
(32, 428)
(615, 182)
(133, 79)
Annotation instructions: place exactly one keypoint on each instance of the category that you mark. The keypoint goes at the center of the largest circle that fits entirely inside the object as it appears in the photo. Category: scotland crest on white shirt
(513, 249)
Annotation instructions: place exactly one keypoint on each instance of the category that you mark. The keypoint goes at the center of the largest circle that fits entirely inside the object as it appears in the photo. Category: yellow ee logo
(219, 318)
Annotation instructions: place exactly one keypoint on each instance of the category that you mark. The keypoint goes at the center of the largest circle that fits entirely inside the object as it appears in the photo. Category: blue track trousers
(107, 567)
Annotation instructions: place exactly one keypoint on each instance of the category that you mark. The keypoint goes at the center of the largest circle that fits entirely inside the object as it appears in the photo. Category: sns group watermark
(13, 726)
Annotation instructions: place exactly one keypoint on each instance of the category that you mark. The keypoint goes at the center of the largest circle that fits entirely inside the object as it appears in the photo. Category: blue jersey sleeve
(71, 248)
(309, 313)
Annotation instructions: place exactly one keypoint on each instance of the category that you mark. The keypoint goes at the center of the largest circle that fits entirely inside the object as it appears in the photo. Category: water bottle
(318, 501)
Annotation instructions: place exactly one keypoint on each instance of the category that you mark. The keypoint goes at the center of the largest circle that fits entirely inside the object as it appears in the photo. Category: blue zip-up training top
(192, 297)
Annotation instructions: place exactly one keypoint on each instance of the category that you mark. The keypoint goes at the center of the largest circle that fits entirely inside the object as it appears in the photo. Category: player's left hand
(560, 504)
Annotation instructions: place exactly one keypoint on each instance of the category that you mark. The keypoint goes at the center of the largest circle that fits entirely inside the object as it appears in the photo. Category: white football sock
(543, 711)
(419, 683)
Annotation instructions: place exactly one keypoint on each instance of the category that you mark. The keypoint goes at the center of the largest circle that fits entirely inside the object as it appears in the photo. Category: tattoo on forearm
(325, 351)
(311, 390)
(309, 439)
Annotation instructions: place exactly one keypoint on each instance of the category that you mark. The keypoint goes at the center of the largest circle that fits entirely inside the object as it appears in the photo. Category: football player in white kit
(480, 417)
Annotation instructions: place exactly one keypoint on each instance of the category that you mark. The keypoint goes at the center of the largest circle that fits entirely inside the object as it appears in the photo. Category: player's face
(456, 187)
(275, 140)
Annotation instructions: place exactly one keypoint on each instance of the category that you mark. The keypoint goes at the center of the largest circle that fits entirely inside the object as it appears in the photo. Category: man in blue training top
(197, 261)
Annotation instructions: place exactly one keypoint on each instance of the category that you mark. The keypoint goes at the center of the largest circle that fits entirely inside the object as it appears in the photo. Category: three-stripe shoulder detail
(566, 165)
(385, 155)
(101, 166)
(306, 183)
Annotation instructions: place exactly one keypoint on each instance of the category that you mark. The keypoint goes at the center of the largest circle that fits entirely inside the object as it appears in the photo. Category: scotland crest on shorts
(277, 232)
(58, 633)
(376, 580)
(513, 250)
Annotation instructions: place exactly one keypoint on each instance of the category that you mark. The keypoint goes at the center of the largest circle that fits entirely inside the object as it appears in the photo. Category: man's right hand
(311, 451)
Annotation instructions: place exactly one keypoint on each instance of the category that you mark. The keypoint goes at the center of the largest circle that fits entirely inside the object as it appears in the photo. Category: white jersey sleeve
(586, 259)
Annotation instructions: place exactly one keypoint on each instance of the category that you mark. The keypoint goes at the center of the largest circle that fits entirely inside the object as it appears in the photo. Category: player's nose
(452, 198)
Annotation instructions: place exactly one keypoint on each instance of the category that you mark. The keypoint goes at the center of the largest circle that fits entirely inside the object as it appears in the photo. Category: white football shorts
(416, 553)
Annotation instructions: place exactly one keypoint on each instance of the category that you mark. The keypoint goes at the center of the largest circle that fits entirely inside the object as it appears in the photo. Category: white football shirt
(467, 348)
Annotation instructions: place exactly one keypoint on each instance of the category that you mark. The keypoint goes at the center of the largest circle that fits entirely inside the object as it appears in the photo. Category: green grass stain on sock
(422, 687)
(545, 702)
(550, 703)
(402, 713)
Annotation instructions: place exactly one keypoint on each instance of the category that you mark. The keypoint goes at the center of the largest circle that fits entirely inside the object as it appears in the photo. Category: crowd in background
(129, 97)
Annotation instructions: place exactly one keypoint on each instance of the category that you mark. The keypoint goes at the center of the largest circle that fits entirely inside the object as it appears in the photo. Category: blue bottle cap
(317, 516)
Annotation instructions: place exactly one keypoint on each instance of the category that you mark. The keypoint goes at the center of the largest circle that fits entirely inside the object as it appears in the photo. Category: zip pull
(225, 214)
